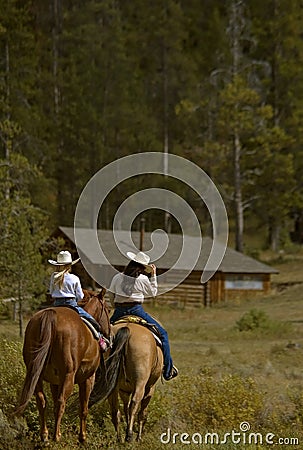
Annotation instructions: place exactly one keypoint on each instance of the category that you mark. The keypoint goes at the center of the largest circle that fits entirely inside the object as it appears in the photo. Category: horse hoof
(57, 437)
(129, 438)
(44, 439)
(82, 439)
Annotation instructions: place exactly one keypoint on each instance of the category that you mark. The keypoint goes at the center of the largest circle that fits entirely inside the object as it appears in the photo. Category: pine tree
(278, 28)
(275, 184)
(21, 268)
(23, 231)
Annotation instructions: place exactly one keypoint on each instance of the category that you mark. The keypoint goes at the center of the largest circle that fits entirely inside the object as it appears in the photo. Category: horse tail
(105, 385)
(38, 358)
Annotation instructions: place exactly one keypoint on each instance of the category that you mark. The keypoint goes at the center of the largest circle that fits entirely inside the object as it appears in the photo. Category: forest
(84, 83)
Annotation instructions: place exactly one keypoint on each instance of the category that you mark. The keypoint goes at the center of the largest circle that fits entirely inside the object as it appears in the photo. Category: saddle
(92, 328)
(138, 320)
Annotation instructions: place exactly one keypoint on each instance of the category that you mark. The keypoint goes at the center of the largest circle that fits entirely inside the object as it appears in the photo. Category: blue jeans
(137, 310)
(72, 302)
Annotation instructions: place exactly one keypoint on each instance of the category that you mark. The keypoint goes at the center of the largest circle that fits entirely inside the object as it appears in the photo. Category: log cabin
(238, 275)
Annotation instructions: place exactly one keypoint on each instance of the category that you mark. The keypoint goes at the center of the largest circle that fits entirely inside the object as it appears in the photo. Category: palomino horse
(132, 370)
(60, 349)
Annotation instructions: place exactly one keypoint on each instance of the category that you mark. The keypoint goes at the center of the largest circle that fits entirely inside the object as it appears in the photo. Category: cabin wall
(216, 284)
(183, 295)
(236, 286)
(217, 290)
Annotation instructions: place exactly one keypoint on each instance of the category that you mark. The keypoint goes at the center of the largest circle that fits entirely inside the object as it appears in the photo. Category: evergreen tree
(22, 273)
(23, 231)
(238, 120)
(278, 28)
(275, 184)
(84, 83)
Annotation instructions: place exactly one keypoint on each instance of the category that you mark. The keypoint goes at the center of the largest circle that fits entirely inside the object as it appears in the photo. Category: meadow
(240, 383)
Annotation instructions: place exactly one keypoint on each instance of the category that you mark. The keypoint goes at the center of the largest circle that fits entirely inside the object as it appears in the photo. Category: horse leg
(125, 399)
(85, 389)
(142, 415)
(133, 408)
(54, 391)
(64, 392)
(41, 405)
(113, 401)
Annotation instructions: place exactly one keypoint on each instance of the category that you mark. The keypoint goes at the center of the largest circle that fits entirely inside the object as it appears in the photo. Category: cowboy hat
(140, 258)
(64, 257)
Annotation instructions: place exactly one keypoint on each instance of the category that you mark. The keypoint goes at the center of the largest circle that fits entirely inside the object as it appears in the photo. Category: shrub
(12, 373)
(4, 310)
(220, 403)
(256, 320)
(11, 378)
(253, 320)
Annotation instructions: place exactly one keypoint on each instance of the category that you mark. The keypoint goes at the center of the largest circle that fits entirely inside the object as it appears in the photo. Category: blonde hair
(59, 276)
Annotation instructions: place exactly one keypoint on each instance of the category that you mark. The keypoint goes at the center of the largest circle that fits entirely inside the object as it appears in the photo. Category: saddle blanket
(138, 320)
(95, 333)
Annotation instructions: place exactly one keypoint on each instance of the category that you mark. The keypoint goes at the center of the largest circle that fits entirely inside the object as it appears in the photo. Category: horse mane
(89, 294)
(91, 303)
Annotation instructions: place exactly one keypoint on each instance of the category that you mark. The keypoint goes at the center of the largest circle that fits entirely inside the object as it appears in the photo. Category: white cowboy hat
(64, 257)
(140, 258)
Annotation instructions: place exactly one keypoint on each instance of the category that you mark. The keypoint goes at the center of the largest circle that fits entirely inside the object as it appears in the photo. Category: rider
(65, 287)
(127, 292)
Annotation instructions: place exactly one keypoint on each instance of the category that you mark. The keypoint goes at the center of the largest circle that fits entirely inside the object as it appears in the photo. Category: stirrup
(174, 373)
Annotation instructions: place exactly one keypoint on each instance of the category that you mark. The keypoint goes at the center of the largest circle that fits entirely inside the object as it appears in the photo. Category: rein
(104, 310)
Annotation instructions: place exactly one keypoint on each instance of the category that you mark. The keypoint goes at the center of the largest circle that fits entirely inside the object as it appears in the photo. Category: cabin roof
(233, 261)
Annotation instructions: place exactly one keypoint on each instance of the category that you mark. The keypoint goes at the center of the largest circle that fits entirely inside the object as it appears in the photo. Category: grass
(226, 376)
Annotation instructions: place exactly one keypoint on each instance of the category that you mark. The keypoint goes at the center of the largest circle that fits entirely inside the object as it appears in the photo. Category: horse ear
(101, 294)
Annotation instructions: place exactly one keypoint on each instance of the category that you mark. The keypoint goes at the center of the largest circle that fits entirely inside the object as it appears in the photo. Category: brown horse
(132, 370)
(60, 349)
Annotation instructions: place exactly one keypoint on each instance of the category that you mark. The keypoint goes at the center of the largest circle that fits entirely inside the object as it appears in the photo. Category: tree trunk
(14, 311)
(55, 38)
(274, 236)
(8, 138)
(167, 217)
(20, 303)
(238, 195)
(57, 95)
(236, 24)
(21, 327)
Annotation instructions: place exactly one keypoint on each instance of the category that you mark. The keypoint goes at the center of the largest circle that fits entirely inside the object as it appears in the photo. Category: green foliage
(11, 373)
(258, 322)
(23, 231)
(252, 320)
(13, 430)
(159, 75)
(4, 310)
(210, 403)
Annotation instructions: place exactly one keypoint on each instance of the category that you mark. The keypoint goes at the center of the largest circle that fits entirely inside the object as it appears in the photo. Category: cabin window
(242, 282)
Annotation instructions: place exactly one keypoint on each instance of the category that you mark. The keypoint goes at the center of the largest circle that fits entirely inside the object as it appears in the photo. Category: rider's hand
(154, 269)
